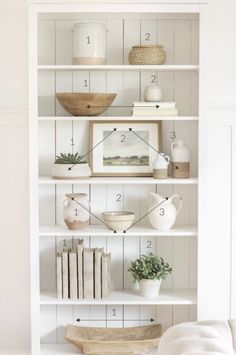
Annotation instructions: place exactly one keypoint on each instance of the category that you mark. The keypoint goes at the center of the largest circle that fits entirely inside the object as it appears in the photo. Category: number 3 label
(162, 211)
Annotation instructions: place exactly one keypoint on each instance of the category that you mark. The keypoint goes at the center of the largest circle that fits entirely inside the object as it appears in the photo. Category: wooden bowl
(85, 104)
(114, 340)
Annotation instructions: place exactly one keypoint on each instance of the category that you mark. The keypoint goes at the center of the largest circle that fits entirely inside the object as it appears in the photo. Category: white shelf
(117, 118)
(127, 297)
(100, 231)
(121, 67)
(48, 180)
(68, 349)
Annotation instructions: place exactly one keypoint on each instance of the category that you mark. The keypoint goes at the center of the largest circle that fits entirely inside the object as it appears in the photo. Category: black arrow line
(83, 156)
(86, 209)
(116, 320)
(91, 106)
(136, 134)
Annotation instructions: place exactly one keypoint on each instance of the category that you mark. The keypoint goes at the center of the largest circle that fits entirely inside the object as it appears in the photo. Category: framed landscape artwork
(124, 148)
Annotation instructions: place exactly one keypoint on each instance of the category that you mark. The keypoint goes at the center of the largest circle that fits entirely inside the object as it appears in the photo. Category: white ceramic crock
(89, 43)
(70, 171)
(149, 288)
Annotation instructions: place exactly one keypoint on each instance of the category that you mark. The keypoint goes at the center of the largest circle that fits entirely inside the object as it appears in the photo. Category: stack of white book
(154, 109)
(83, 273)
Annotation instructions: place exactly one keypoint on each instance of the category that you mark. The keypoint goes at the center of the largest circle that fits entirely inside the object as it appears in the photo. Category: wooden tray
(114, 340)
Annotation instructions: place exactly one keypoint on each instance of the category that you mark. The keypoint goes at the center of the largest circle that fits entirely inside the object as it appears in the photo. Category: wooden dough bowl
(85, 104)
(114, 341)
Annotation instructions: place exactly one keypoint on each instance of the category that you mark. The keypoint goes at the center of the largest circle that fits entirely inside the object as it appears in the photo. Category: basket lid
(148, 46)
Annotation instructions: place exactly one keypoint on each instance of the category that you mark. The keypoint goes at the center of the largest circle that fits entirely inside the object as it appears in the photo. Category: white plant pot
(149, 288)
(70, 171)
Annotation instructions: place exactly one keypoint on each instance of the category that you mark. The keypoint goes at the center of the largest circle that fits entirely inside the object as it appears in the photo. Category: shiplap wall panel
(146, 313)
(180, 39)
(47, 199)
(47, 264)
(131, 316)
(64, 36)
(46, 42)
(64, 317)
(98, 193)
(115, 316)
(48, 324)
(115, 247)
(46, 91)
(164, 316)
(131, 36)
(131, 252)
(82, 313)
(46, 147)
(114, 41)
(115, 84)
(180, 314)
(98, 315)
(81, 81)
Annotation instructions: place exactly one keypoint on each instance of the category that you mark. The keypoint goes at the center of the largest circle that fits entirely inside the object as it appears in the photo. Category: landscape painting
(124, 148)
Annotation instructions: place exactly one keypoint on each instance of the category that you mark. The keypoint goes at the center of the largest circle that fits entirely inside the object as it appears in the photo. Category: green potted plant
(70, 166)
(149, 270)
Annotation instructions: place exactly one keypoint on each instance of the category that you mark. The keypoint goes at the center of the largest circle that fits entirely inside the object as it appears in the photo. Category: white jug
(164, 216)
(180, 156)
(160, 166)
(180, 151)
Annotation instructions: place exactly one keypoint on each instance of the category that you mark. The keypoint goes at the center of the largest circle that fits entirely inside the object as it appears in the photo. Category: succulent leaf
(69, 158)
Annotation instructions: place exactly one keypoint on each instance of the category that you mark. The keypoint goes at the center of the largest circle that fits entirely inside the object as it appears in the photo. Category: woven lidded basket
(147, 54)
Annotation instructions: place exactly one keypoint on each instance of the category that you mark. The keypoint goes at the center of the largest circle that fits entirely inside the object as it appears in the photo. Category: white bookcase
(180, 28)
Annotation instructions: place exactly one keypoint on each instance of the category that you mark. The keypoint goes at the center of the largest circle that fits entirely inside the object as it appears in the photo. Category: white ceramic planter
(149, 288)
(69, 171)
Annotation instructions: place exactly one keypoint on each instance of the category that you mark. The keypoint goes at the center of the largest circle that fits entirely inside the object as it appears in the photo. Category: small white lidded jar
(152, 93)
(89, 43)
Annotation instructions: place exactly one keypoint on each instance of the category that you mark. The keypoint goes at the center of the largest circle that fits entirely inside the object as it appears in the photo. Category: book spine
(98, 274)
(73, 275)
(59, 276)
(80, 269)
(105, 291)
(88, 256)
(65, 276)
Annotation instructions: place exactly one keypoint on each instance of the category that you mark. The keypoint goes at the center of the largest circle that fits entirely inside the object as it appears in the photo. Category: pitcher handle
(180, 202)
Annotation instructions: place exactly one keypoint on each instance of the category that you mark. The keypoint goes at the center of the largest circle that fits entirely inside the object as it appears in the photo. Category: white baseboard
(14, 353)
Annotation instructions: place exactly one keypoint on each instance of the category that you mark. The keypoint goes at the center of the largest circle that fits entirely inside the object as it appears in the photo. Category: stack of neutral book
(154, 109)
(83, 273)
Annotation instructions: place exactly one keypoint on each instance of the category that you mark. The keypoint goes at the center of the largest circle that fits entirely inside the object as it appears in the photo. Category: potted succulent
(70, 166)
(149, 270)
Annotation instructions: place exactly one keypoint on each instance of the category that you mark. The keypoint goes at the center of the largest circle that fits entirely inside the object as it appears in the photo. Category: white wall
(14, 278)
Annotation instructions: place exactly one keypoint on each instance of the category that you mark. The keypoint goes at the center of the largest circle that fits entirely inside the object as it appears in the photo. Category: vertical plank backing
(48, 325)
(46, 42)
(114, 41)
(131, 36)
(64, 317)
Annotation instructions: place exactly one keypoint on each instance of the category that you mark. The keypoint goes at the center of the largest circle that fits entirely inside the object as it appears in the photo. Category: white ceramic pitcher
(164, 216)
